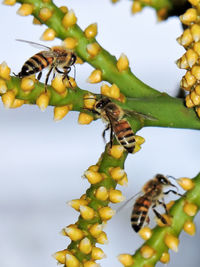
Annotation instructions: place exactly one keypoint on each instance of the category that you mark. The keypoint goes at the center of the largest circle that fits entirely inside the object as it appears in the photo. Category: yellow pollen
(90, 264)
(86, 212)
(76, 203)
(197, 89)
(97, 253)
(114, 91)
(145, 233)
(147, 252)
(105, 90)
(60, 256)
(186, 38)
(189, 16)
(191, 57)
(93, 49)
(139, 139)
(106, 213)
(195, 31)
(93, 177)
(91, 31)
(36, 21)
(70, 43)
(8, 99)
(165, 257)
(190, 209)
(126, 259)
(27, 84)
(189, 102)
(4, 71)
(25, 10)
(84, 118)
(64, 9)
(195, 98)
(69, 19)
(74, 233)
(94, 168)
(171, 242)
(58, 85)
(102, 193)
(72, 261)
(45, 13)
(136, 7)
(3, 87)
(60, 112)
(17, 103)
(123, 181)
(137, 148)
(95, 77)
(102, 238)
(116, 196)
(89, 100)
(96, 229)
(85, 245)
(116, 151)
(43, 101)
(48, 35)
(189, 227)
(194, 2)
(122, 63)
(117, 173)
(196, 48)
(9, 2)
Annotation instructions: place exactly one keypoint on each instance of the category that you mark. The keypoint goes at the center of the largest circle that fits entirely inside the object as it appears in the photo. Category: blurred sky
(42, 162)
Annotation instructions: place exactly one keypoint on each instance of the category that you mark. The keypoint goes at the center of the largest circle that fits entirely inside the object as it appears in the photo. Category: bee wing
(131, 113)
(128, 201)
(39, 46)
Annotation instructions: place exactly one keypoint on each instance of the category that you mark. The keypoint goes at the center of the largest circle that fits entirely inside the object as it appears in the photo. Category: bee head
(162, 179)
(102, 103)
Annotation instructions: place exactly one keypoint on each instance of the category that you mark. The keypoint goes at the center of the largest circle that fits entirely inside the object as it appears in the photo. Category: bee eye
(99, 105)
(73, 60)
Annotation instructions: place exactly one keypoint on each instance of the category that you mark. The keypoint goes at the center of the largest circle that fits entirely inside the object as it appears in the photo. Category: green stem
(165, 111)
(179, 217)
(105, 163)
(128, 83)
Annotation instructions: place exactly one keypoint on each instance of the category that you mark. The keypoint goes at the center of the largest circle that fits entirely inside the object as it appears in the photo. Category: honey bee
(153, 195)
(55, 57)
(118, 125)
(113, 114)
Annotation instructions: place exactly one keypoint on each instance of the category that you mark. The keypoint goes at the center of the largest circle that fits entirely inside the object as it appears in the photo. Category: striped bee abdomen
(124, 134)
(139, 213)
(35, 64)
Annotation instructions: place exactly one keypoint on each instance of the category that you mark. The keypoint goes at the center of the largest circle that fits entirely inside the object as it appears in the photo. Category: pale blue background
(42, 162)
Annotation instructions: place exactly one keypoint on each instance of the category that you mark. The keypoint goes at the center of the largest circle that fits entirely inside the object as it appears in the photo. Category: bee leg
(158, 215)
(164, 205)
(65, 74)
(111, 135)
(173, 191)
(39, 75)
(104, 132)
(47, 78)
(147, 220)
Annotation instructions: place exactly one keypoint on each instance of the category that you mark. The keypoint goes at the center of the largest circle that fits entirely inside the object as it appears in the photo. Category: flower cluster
(190, 40)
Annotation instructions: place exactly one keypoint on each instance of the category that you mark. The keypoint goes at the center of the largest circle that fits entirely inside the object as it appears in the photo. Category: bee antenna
(171, 177)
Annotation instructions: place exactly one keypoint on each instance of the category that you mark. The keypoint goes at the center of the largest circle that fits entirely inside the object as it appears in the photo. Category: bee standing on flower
(113, 114)
(54, 58)
(119, 126)
(153, 195)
